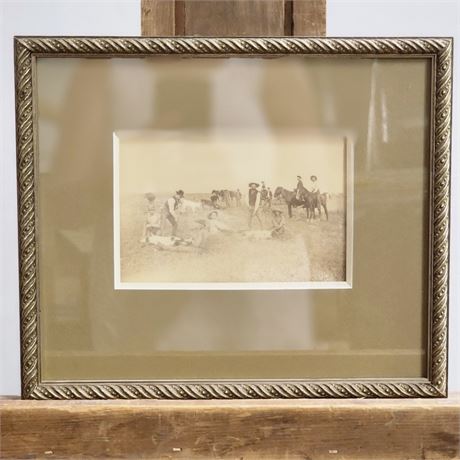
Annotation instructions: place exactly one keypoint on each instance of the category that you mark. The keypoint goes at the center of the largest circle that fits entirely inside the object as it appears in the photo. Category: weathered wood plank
(309, 18)
(158, 18)
(312, 430)
(233, 17)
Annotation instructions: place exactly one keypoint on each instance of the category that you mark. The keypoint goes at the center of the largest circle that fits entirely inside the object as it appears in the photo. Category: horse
(214, 198)
(225, 197)
(314, 201)
(290, 199)
(319, 200)
(308, 200)
(235, 197)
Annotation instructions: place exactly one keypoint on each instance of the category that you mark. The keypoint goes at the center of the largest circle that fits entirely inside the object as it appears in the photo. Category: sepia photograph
(232, 210)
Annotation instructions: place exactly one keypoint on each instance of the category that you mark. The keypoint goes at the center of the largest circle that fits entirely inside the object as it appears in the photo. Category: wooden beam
(392, 429)
(233, 17)
(158, 18)
(309, 18)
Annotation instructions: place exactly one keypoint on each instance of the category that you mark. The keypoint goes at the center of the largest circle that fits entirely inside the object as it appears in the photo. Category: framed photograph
(228, 218)
(217, 238)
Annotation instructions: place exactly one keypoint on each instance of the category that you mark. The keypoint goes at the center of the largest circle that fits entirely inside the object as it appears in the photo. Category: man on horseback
(299, 188)
(314, 186)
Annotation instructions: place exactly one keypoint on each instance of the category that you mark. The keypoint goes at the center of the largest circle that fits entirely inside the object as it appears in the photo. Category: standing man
(314, 188)
(270, 197)
(170, 210)
(263, 195)
(238, 196)
(152, 221)
(253, 203)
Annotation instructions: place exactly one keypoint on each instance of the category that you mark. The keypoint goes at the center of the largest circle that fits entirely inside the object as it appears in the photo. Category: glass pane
(377, 328)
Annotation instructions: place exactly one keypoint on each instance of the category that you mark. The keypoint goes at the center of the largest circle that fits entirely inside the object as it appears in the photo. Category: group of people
(155, 221)
(313, 186)
(258, 200)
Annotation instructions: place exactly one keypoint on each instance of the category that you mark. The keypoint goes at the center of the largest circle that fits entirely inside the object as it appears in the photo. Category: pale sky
(162, 162)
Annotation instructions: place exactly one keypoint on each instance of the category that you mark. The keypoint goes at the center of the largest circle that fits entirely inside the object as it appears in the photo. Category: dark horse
(226, 197)
(308, 200)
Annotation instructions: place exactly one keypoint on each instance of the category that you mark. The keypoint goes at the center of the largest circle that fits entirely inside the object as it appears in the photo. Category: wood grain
(309, 18)
(416, 429)
(158, 18)
(233, 17)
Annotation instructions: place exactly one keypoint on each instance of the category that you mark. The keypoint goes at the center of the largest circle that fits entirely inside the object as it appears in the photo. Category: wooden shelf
(298, 429)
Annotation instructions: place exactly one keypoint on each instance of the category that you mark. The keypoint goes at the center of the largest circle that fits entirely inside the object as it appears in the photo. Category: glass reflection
(91, 330)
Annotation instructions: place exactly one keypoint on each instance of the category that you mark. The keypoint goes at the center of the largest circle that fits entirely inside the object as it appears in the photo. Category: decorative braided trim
(279, 390)
(439, 49)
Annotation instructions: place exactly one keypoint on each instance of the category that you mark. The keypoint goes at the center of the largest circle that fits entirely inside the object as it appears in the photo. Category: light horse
(308, 200)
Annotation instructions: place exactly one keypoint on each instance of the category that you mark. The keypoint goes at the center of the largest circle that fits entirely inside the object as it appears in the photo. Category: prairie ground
(313, 251)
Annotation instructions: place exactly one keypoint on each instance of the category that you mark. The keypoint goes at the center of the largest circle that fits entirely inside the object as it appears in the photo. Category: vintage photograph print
(233, 210)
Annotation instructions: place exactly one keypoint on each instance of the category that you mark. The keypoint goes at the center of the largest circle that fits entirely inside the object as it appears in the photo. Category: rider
(314, 186)
(299, 188)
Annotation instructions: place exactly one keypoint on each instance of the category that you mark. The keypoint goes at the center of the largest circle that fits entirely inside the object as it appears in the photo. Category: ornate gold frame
(439, 50)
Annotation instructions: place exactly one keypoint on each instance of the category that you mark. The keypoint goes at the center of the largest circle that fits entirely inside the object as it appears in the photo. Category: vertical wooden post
(233, 17)
(158, 18)
(309, 18)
